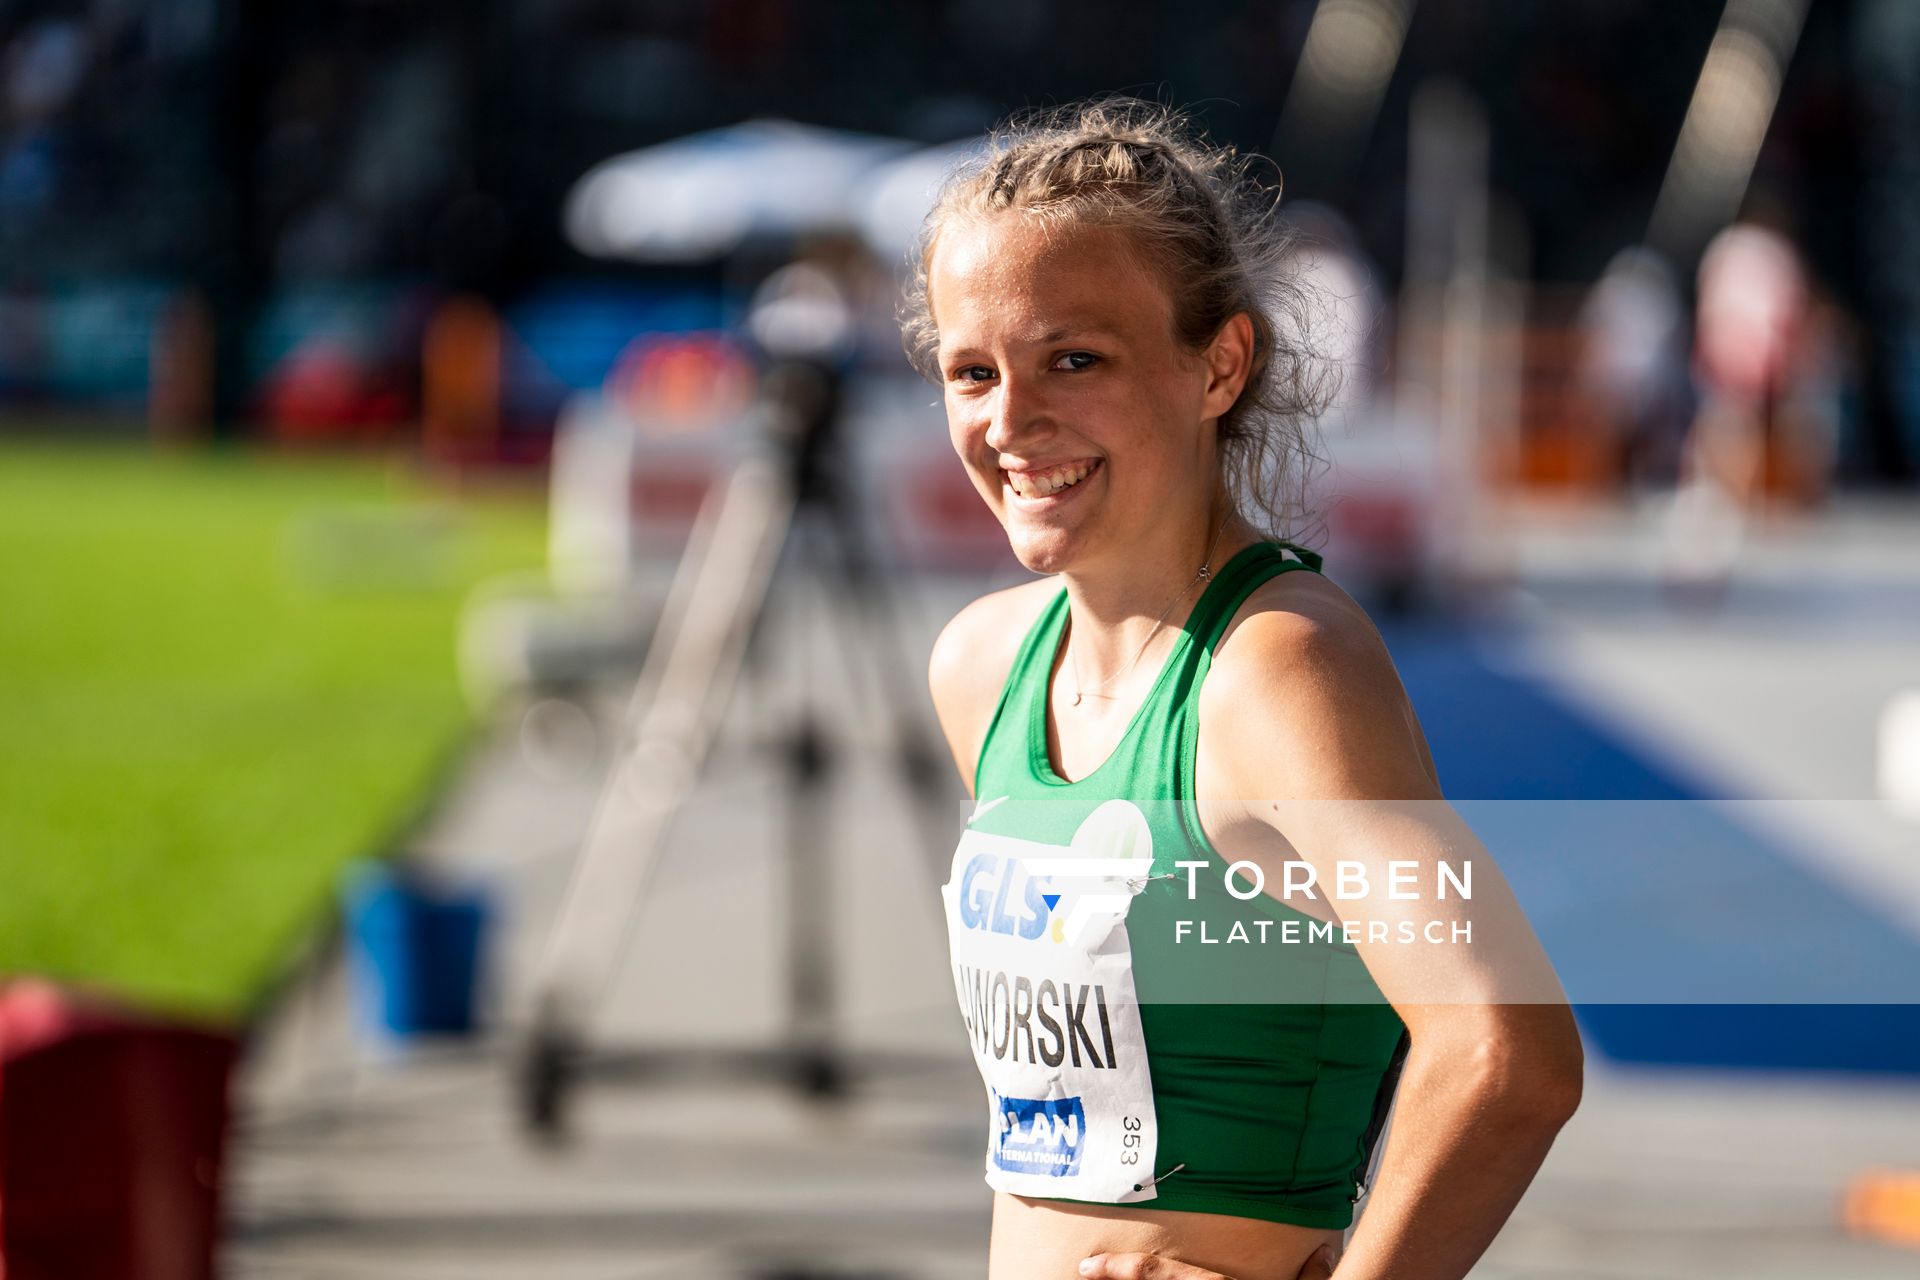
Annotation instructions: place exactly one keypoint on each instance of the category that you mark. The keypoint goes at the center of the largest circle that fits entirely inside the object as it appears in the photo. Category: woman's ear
(1229, 364)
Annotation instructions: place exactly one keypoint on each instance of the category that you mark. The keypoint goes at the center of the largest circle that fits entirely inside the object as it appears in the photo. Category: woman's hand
(1151, 1266)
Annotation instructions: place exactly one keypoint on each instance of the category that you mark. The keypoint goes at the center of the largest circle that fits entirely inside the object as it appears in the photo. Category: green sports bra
(1125, 1061)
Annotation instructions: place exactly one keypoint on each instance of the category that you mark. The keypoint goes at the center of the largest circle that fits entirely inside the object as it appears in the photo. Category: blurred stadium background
(363, 366)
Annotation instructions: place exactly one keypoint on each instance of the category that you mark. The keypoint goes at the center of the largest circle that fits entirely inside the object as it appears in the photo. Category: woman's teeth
(1041, 484)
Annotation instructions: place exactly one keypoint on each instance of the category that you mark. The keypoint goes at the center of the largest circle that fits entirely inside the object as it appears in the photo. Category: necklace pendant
(1076, 699)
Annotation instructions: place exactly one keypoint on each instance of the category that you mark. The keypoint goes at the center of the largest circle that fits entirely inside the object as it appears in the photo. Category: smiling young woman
(1098, 296)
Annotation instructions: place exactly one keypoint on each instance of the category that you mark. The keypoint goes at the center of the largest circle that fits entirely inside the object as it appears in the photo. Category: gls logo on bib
(1038, 1135)
(1020, 895)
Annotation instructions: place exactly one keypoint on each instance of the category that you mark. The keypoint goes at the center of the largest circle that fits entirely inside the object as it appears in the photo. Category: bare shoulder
(1299, 610)
(971, 660)
(1303, 691)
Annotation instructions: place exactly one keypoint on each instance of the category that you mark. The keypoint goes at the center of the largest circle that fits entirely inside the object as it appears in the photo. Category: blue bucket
(414, 950)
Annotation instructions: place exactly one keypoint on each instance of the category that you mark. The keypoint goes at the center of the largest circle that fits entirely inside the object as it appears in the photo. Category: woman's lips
(1049, 483)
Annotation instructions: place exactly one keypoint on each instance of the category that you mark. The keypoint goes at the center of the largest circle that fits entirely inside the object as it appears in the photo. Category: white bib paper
(1044, 971)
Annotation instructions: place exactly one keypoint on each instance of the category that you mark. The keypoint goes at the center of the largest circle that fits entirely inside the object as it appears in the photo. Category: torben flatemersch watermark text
(1350, 882)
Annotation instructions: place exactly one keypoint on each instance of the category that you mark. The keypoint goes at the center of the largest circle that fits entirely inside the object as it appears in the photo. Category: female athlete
(1188, 1078)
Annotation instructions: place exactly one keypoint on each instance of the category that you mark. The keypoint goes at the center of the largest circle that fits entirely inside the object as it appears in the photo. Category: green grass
(222, 677)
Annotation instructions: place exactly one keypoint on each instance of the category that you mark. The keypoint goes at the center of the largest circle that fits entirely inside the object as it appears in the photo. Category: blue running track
(1703, 943)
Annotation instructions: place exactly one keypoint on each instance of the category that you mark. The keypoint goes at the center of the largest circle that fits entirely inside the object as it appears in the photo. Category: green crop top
(1113, 1076)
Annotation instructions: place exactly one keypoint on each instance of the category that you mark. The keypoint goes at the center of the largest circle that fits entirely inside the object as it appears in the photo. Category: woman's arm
(1313, 737)
(1483, 1092)
(1473, 1119)
(1324, 747)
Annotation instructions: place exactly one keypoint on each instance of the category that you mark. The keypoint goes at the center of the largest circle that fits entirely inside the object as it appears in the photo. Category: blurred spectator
(1633, 364)
(1755, 349)
(1767, 366)
(44, 68)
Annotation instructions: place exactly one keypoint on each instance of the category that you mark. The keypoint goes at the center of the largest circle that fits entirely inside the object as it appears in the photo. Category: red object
(1386, 523)
(112, 1127)
(682, 384)
(670, 492)
(323, 392)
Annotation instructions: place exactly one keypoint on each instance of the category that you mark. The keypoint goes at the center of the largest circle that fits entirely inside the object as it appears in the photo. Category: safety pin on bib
(1142, 1186)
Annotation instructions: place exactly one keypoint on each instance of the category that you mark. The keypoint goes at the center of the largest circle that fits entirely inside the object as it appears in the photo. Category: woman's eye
(1078, 360)
(968, 373)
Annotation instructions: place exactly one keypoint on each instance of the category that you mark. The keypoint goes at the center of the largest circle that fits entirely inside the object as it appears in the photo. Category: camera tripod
(712, 620)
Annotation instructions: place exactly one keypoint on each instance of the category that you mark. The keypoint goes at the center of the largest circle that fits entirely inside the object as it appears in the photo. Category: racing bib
(1044, 971)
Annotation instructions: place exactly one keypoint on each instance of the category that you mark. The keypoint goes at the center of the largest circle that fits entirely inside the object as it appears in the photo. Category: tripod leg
(873, 599)
(810, 979)
(688, 673)
(808, 868)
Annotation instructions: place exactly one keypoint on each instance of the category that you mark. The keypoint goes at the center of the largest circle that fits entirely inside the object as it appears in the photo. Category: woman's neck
(1116, 606)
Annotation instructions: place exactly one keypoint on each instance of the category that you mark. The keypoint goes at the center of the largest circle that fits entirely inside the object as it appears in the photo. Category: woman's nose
(1014, 414)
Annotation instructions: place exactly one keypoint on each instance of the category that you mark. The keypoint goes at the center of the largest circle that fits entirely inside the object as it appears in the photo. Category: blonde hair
(1197, 215)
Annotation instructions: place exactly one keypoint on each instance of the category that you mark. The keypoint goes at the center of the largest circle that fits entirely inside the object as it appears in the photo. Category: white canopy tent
(709, 194)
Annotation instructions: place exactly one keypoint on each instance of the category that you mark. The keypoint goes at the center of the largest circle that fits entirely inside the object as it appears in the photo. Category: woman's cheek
(981, 462)
(984, 474)
(966, 426)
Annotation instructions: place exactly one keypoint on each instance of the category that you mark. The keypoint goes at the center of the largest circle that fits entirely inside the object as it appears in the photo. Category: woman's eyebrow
(1060, 333)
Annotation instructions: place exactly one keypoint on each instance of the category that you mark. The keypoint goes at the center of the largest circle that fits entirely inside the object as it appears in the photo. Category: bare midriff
(1045, 1239)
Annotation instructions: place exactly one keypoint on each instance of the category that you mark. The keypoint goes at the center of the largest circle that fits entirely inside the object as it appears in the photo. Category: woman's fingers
(1150, 1266)
(1142, 1266)
(1320, 1265)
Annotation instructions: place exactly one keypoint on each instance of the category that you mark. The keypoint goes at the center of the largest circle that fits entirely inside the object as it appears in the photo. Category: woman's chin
(1041, 550)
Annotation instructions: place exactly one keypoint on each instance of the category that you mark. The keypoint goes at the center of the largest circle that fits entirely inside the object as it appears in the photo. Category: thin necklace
(1206, 571)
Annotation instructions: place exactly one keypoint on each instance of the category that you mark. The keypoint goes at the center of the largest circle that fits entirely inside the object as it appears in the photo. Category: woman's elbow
(1535, 1078)
(1554, 1092)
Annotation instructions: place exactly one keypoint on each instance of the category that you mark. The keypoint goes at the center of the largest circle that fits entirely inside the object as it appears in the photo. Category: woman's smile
(1046, 487)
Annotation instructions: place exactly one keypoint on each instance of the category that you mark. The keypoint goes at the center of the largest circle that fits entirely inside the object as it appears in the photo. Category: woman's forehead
(1013, 273)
